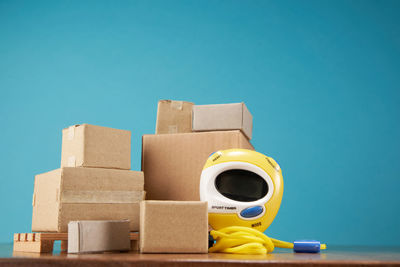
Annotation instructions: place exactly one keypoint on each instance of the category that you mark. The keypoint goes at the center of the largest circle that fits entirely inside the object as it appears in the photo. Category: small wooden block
(31, 242)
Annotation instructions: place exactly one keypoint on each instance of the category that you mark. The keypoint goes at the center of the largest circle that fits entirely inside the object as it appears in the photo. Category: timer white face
(236, 187)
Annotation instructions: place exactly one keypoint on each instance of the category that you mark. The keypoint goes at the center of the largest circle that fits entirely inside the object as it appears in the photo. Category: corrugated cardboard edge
(141, 224)
(142, 159)
(83, 163)
(247, 121)
(158, 114)
(59, 202)
(244, 142)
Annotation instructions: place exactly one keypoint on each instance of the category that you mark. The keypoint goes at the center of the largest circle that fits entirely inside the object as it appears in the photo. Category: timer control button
(252, 212)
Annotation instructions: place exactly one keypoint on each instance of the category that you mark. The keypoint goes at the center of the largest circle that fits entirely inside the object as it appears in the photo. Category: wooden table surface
(334, 256)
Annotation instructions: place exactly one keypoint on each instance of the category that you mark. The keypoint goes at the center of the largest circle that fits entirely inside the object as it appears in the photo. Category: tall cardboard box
(88, 145)
(73, 194)
(219, 117)
(174, 117)
(172, 163)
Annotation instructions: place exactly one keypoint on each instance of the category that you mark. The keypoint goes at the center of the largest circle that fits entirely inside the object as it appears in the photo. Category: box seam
(59, 221)
(84, 129)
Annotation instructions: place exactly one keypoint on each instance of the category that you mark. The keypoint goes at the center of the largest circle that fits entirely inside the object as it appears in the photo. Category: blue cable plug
(307, 246)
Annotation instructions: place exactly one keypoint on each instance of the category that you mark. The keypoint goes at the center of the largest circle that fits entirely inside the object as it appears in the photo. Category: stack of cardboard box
(94, 182)
(186, 134)
(172, 162)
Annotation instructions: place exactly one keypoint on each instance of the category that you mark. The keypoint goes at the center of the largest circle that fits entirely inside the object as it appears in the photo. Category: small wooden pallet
(44, 242)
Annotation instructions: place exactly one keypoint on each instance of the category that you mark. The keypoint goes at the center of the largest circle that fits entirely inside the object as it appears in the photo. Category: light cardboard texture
(95, 146)
(98, 236)
(172, 163)
(173, 227)
(174, 117)
(70, 194)
(234, 116)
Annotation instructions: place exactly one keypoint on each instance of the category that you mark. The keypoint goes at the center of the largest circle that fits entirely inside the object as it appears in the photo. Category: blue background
(321, 79)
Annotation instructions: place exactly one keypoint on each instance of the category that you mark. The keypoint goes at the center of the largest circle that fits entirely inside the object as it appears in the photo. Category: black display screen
(241, 185)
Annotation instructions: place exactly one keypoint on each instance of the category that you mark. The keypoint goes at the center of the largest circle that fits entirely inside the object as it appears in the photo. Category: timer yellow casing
(268, 165)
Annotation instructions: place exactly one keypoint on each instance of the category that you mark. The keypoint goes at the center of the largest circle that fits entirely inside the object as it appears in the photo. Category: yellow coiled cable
(245, 240)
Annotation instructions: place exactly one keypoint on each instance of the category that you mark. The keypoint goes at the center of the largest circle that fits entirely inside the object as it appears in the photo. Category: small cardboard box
(172, 163)
(71, 194)
(174, 117)
(173, 227)
(95, 146)
(98, 236)
(234, 116)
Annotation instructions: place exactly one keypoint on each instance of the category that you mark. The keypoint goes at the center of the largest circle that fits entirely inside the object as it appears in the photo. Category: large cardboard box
(98, 236)
(95, 146)
(73, 194)
(173, 227)
(174, 117)
(234, 116)
(172, 163)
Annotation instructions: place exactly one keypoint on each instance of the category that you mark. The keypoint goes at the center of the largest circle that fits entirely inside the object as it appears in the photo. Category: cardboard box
(98, 236)
(173, 227)
(174, 117)
(71, 194)
(234, 116)
(172, 163)
(95, 146)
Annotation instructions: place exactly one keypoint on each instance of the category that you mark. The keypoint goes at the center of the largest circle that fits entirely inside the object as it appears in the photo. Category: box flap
(247, 122)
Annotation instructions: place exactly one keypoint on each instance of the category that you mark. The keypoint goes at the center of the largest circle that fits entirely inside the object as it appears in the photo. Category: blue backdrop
(321, 79)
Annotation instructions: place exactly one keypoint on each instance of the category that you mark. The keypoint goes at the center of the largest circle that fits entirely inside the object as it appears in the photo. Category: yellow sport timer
(242, 187)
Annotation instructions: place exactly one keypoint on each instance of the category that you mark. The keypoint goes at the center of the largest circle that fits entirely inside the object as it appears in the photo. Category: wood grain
(334, 256)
